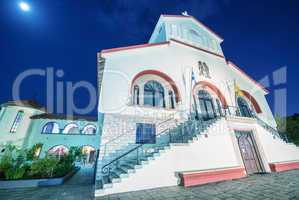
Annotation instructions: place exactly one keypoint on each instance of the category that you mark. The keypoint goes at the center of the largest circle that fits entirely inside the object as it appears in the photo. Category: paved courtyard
(278, 186)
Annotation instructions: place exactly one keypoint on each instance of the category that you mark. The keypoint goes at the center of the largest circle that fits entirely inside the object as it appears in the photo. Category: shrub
(33, 153)
(14, 173)
(21, 163)
(44, 168)
(65, 165)
(6, 162)
(75, 152)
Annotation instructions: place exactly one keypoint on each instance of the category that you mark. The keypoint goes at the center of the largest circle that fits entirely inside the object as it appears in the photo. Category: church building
(176, 111)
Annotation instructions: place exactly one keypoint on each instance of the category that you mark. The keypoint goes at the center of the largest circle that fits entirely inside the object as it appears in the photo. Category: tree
(289, 126)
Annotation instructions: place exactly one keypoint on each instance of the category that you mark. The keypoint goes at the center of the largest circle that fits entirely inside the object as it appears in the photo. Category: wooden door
(249, 152)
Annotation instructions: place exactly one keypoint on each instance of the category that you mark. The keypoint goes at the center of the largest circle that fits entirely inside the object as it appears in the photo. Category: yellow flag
(238, 91)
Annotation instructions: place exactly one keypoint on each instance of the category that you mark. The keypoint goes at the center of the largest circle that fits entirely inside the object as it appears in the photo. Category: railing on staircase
(271, 129)
(180, 134)
(120, 137)
(235, 111)
(134, 155)
(95, 166)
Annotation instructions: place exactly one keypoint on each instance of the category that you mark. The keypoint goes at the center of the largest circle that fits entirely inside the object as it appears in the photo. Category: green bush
(6, 162)
(65, 165)
(21, 163)
(13, 174)
(44, 168)
(33, 153)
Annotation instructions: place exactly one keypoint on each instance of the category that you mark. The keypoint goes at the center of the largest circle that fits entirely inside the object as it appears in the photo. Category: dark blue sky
(259, 36)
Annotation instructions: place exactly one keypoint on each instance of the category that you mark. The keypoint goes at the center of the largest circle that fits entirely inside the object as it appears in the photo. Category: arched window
(58, 150)
(71, 129)
(206, 105)
(51, 127)
(89, 129)
(154, 94)
(2, 111)
(136, 95)
(171, 99)
(244, 108)
(17, 121)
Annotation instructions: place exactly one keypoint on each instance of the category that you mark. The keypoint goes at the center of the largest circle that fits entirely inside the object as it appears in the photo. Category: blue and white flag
(193, 76)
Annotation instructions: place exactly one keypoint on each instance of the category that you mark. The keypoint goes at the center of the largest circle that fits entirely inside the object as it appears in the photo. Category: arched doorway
(59, 151)
(88, 154)
(206, 105)
(244, 108)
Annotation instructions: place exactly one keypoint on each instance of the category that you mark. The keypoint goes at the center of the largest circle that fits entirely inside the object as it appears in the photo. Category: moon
(24, 6)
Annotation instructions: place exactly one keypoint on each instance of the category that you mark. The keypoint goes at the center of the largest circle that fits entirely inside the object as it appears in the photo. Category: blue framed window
(154, 94)
(17, 121)
(145, 133)
(2, 111)
(51, 127)
(136, 95)
(171, 99)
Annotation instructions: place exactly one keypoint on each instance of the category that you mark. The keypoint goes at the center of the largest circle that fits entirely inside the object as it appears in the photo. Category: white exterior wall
(271, 149)
(215, 151)
(7, 120)
(175, 60)
(277, 150)
(256, 92)
(220, 149)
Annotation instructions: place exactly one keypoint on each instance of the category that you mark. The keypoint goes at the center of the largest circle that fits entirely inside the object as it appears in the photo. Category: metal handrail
(95, 166)
(123, 155)
(273, 130)
(120, 136)
(259, 120)
(106, 169)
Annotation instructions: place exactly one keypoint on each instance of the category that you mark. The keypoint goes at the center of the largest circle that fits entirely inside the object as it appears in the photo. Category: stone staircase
(115, 168)
(128, 159)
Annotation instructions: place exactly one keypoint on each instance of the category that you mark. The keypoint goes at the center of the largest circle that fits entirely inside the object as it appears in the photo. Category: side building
(25, 124)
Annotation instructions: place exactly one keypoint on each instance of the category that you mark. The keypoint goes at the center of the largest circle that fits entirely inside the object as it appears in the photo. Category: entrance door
(244, 108)
(248, 151)
(206, 105)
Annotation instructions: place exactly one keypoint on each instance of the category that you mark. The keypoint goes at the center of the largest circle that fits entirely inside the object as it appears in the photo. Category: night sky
(260, 36)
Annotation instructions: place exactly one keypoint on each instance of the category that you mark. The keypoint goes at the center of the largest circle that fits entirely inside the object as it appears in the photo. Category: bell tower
(187, 29)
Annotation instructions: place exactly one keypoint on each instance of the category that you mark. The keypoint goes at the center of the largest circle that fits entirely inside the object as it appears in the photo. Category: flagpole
(230, 93)
(190, 98)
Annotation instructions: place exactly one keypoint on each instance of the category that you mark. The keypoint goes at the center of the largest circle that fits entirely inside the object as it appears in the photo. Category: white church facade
(175, 111)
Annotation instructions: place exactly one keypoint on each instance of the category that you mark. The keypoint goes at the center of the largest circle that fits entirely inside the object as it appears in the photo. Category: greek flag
(193, 76)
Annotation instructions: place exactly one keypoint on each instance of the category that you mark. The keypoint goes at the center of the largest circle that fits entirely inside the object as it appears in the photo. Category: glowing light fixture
(24, 6)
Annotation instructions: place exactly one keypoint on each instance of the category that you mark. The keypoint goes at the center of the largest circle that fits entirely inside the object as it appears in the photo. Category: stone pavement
(278, 186)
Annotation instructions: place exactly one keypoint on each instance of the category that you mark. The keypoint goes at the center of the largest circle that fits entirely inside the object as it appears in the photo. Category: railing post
(137, 156)
(182, 132)
(105, 149)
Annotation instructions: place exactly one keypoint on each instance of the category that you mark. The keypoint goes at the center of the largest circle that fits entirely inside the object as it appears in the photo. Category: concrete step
(128, 164)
